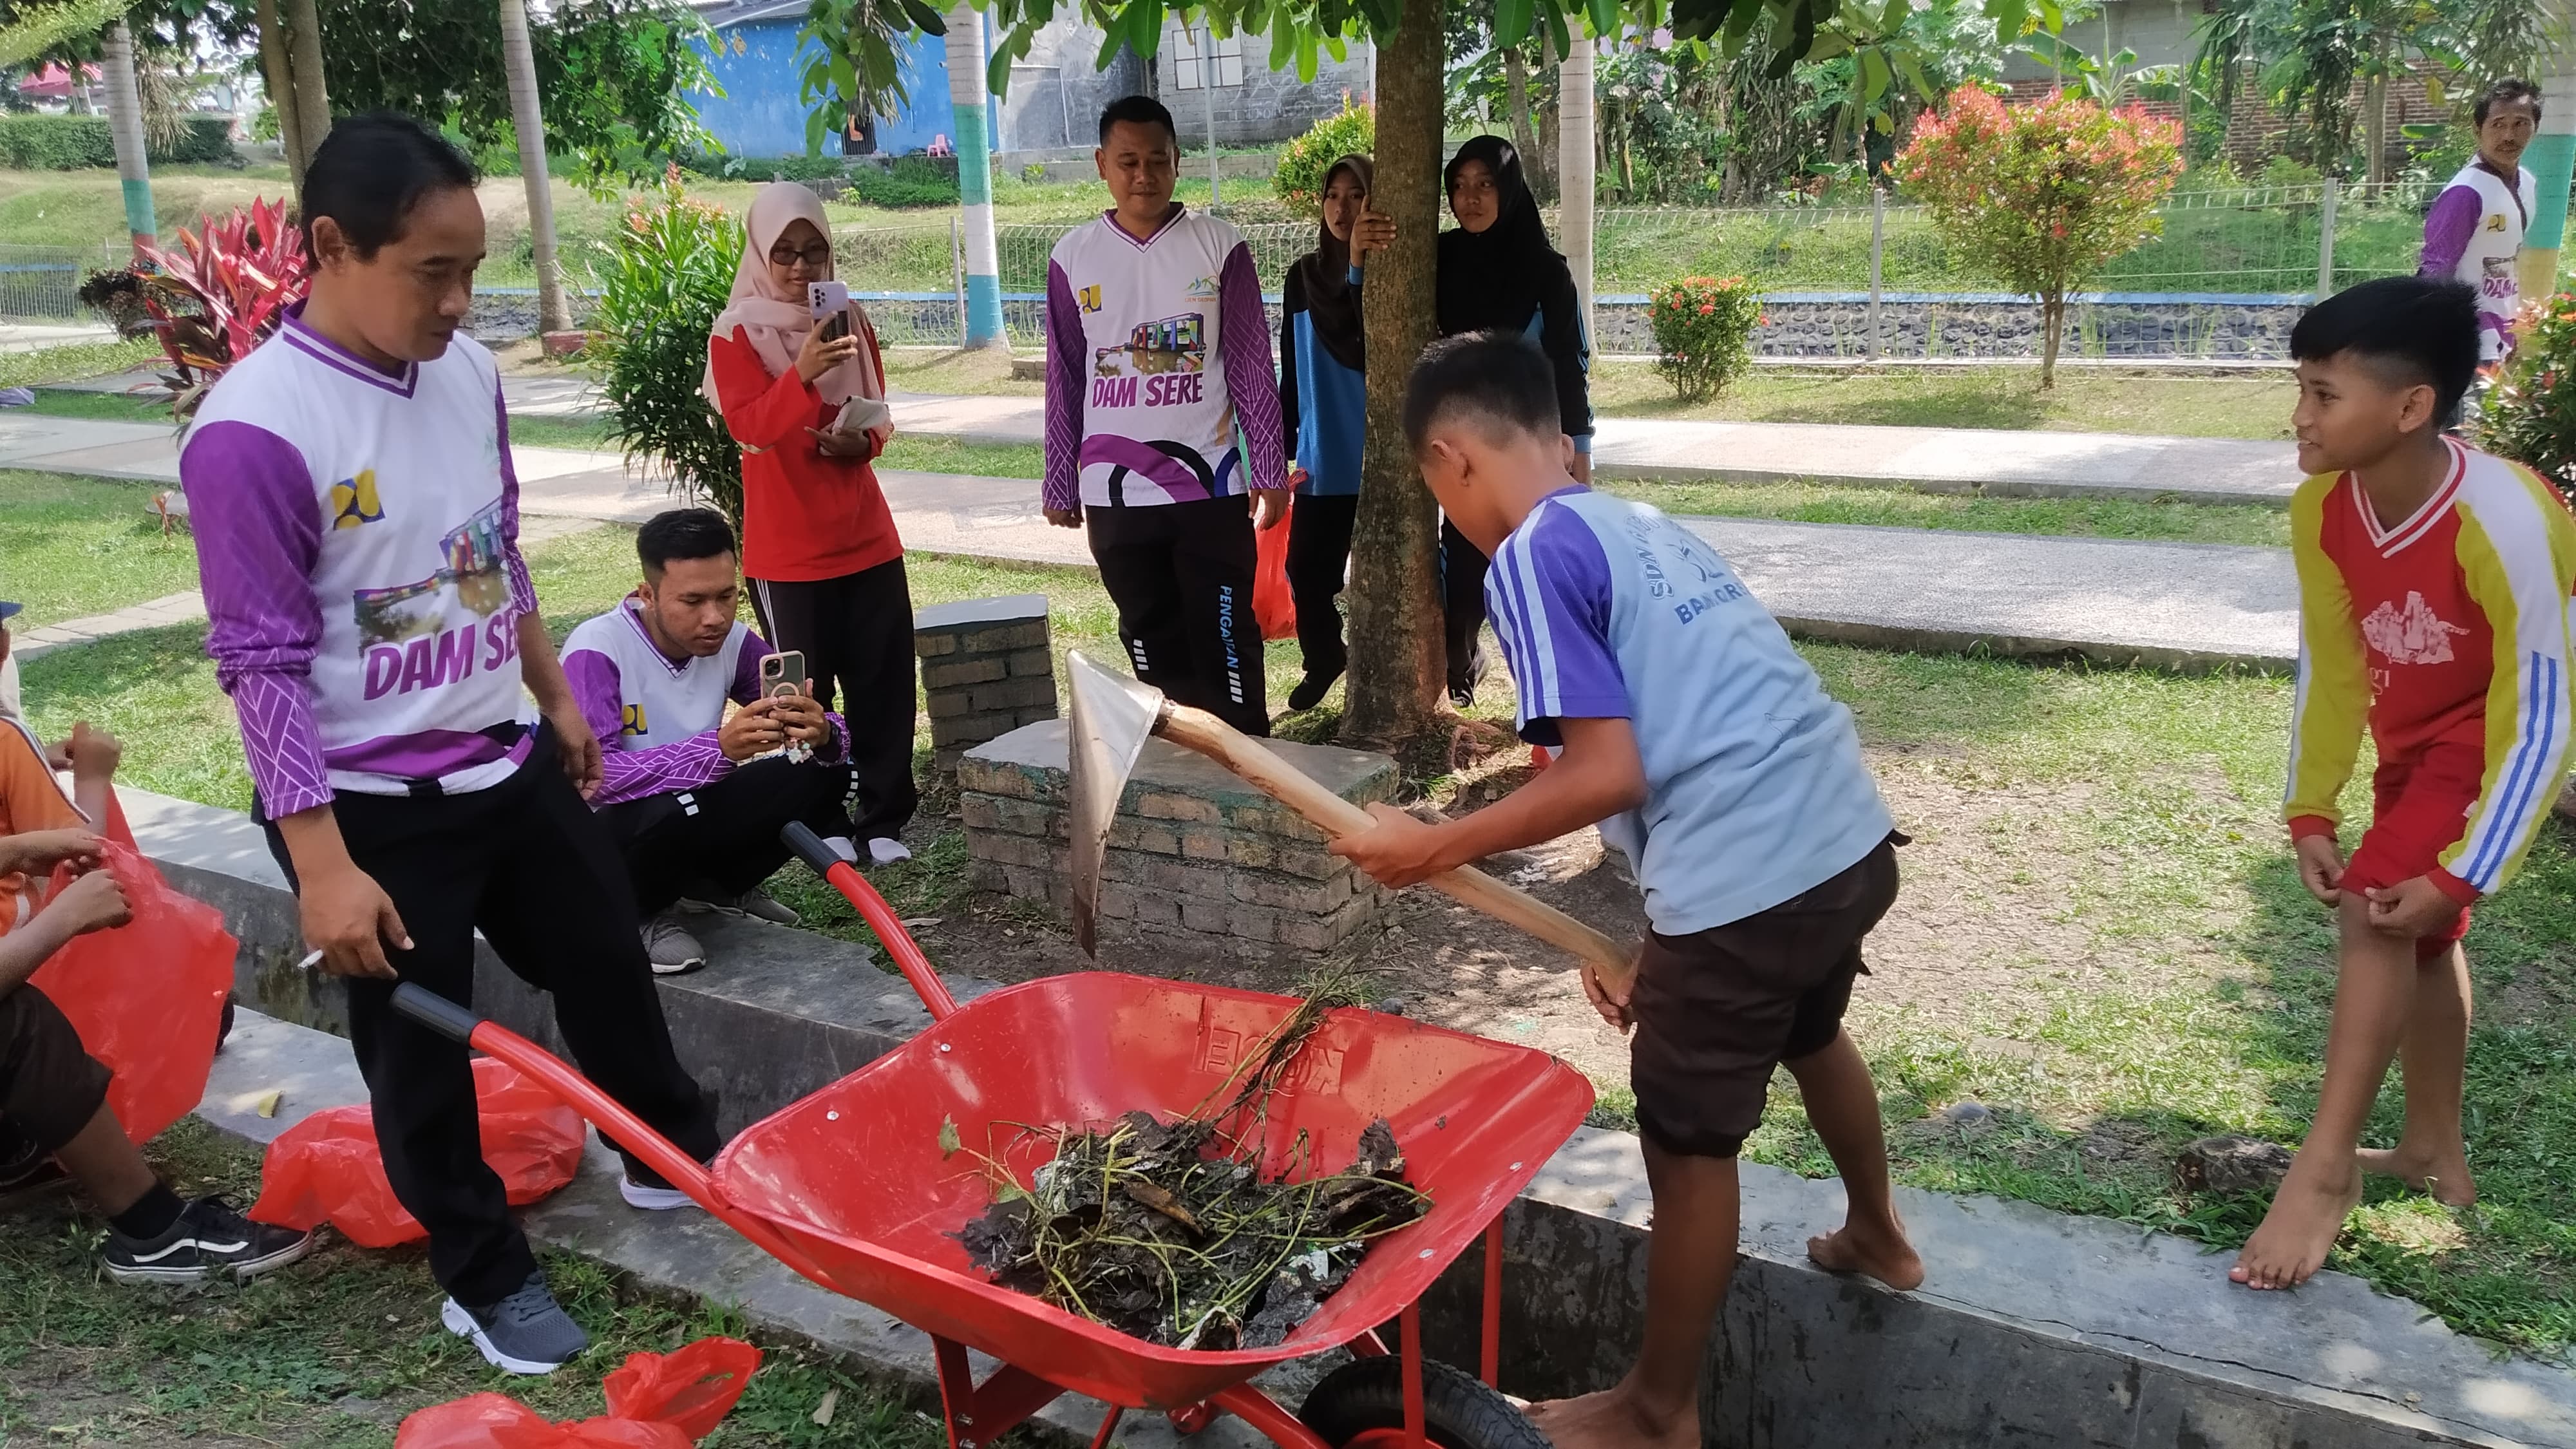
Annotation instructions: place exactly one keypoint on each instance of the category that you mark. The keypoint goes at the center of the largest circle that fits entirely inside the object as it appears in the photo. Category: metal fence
(2213, 255)
(43, 283)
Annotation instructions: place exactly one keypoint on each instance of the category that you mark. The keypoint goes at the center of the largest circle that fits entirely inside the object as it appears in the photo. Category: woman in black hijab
(1497, 271)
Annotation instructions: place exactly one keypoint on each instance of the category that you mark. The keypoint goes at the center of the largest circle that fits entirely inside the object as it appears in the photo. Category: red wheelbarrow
(850, 1186)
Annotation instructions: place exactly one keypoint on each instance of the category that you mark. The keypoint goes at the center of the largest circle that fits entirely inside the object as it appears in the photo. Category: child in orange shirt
(2435, 586)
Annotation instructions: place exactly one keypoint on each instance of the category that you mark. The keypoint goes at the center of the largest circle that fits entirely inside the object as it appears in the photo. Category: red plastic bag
(146, 997)
(1273, 605)
(327, 1167)
(655, 1401)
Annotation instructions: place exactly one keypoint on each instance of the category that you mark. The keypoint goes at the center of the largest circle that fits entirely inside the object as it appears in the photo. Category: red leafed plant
(220, 293)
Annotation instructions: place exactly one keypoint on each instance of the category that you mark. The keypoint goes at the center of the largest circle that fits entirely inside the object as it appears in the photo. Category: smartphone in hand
(829, 303)
(782, 673)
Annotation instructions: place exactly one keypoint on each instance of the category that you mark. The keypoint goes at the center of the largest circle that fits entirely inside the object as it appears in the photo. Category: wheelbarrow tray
(855, 1178)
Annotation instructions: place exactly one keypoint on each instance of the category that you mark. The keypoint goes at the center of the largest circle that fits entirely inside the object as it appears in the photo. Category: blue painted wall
(762, 70)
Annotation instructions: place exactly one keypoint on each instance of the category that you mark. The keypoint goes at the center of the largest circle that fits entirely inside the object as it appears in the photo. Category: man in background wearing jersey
(2474, 232)
(1162, 420)
(696, 798)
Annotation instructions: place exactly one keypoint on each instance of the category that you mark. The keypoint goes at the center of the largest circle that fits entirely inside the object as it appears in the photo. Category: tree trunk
(527, 116)
(1576, 160)
(125, 124)
(1544, 173)
(312, 98)
(278, 70)
(1516, 94)
(1394, 595)
(2052, 323)
(2374, 95)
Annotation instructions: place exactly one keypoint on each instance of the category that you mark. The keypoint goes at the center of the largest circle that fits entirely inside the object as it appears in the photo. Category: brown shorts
(1718, 1009)
(49, 1086)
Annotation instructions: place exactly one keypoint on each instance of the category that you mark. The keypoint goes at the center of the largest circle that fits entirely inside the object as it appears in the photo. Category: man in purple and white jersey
(696, 796)
(2473, 234)
(357, 527)
(1162, 417)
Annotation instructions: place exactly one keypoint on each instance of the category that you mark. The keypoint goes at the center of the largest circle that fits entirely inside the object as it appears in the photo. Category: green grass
(1915, 508)
(105, 407)
(587, 433)
(2008, 398)
(332, 1352)
(73, 361)
(74, 546)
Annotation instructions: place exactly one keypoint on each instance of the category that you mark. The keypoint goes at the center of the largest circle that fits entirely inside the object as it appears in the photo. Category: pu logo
(630, 720)
(1089, 297)
(2495, 222)
(353, 501)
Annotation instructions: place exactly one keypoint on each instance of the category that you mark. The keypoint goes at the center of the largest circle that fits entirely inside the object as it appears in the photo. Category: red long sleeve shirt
(805, 515)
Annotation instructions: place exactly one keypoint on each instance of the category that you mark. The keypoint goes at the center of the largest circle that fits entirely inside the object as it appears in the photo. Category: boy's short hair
(1499, 377)
(2511, 91)
(1138, 111)
(2420, 329)
(682, 533)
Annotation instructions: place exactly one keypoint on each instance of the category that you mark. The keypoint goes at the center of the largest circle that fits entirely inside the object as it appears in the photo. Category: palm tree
(527, 116)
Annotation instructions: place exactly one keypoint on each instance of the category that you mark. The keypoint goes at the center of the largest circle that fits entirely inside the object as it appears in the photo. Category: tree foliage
(2042, 194)
(663, 279)
(857, 69)
(1305, 161)
(616, 74)
(2530, 415)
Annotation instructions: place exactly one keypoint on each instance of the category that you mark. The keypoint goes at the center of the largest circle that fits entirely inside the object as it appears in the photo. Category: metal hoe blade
(1109, 718)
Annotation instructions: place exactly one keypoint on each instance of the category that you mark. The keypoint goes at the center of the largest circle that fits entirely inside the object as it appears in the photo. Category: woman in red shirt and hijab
(818, 543)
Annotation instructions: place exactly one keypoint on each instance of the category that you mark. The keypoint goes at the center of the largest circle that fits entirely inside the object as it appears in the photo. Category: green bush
(1704, 333)
(665, 277)
(75, 143)
(1299, 181)
(907, 181)
(764, 168)
(2530, 415)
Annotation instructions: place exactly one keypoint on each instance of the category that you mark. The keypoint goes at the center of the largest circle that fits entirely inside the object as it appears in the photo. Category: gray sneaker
(755, 903)
(670, 947)
(525, 1333)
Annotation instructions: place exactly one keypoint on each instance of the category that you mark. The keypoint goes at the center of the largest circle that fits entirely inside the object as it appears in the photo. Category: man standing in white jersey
(368, 611)
(1162, 415)
(2474, 232)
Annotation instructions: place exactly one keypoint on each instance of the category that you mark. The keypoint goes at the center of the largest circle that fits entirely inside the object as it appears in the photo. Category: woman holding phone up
(802, 389)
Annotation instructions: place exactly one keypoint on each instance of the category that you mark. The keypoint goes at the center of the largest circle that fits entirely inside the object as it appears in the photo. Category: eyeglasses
(817, 255)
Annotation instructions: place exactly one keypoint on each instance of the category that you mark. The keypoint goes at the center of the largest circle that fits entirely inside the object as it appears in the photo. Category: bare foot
(1613, 1419)
(1875, 1250)
(2307, 1212)
(2441, 1171)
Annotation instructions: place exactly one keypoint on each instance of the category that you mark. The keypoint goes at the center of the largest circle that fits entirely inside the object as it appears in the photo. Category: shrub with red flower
(2042, 194)
(1704, 332)
(221, 292)
(2529, 416)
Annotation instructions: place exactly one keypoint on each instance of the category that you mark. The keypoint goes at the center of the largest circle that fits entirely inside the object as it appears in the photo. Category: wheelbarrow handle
(429, 1009)
(602, 1111)
(844, 877)
(1336, 817)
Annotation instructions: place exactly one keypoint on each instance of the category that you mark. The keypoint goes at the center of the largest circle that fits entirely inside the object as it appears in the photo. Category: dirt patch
(1991, 913)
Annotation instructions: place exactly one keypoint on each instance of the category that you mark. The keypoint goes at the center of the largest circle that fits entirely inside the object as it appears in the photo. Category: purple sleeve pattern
(259, 535)
(2447, 229)
(600, 693)
(1549, 593)
(1244, 337)
(1063, 486)
(746, 667)
(635, 774)
(523, 590)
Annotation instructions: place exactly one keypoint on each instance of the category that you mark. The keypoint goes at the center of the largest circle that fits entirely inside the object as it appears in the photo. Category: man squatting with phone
(696, 799)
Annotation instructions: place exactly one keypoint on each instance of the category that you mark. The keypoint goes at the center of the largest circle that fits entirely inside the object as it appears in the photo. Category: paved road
(2183, 605)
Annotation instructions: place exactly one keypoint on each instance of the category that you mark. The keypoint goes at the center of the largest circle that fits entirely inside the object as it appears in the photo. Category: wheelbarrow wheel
(1361, 1406)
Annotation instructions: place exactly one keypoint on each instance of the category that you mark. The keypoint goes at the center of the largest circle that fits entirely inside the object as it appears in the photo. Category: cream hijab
(777, 319)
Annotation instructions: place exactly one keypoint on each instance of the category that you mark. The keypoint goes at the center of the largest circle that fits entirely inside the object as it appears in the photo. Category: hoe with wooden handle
(1113, 715)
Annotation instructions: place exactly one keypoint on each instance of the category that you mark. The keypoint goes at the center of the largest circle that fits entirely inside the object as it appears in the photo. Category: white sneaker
(886, 850)
(842, 847)
(756, 903)
(652, 1199)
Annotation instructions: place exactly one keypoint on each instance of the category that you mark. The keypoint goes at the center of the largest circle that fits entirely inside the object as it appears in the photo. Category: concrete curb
(2035, 1328)
(1962, 487)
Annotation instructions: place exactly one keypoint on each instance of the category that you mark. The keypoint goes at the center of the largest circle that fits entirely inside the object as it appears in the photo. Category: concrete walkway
(2176, 605)
(1941, 460)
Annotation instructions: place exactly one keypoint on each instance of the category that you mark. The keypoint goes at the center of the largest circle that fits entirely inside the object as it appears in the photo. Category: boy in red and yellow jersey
(2435, 607)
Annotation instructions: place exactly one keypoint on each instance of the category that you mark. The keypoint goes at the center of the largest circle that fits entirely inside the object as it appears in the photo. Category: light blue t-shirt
(1755, 787)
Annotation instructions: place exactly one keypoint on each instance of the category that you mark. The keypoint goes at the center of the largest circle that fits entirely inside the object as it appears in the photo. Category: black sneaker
(1310, 691)
(210, 1237)
(24, 1171)
(525, 1333)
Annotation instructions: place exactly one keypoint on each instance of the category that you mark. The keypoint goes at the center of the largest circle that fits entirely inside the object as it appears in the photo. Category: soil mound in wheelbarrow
(855, 1176)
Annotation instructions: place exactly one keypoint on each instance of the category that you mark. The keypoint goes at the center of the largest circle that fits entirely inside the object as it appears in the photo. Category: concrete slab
(973, 419)
(555, 396)
(152, 614)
